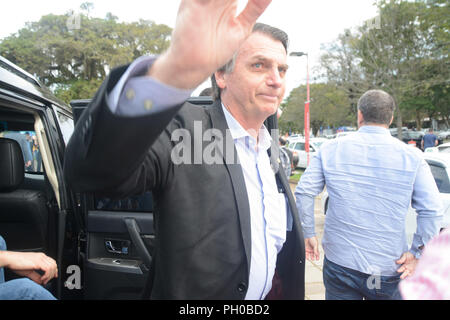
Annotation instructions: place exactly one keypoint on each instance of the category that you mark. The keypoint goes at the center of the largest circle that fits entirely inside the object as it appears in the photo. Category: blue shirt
(429, 140)
(371, 178)
(268, 213)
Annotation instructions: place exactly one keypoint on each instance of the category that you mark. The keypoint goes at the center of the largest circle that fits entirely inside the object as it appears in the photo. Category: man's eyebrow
(265, 59)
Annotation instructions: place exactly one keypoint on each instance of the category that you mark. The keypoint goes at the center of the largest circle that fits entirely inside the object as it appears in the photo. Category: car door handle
(135, 235)
(117, 246)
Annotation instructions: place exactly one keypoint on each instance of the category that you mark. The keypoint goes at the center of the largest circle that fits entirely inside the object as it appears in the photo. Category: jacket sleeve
(113, 154)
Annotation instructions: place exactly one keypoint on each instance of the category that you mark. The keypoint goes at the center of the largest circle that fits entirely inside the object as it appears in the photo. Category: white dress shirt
(267, 206)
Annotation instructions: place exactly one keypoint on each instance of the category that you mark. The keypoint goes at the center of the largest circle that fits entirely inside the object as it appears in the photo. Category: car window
(415, 135)
(441, 178)
(444, 149)
(138, 203)
(300, 146)
(30, 149)
(66, 125)
(318, 144)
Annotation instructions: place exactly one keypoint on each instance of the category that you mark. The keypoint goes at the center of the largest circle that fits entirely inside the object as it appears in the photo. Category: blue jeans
(346, 284)
(21, 289)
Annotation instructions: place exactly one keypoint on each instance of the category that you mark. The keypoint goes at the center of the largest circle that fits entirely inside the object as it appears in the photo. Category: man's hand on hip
(206, 35)
(408, 264)
(312, 249)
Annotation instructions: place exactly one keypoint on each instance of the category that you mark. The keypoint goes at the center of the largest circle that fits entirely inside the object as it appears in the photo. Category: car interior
(28, 201)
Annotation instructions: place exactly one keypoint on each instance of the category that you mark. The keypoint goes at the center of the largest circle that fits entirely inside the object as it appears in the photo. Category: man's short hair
(265, 29)
(377, 107)
(206, 92)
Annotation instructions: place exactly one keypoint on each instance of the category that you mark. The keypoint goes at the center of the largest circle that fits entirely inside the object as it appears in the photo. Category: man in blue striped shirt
(371, 178)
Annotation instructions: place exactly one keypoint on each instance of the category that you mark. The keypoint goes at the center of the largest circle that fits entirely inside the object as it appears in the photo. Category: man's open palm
(206, 35)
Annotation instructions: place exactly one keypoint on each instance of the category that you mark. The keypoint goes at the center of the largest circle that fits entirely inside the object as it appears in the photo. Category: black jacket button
(242, 287)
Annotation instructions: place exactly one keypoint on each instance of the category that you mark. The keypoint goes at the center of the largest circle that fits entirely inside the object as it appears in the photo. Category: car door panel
(119, 238)
(114, 268)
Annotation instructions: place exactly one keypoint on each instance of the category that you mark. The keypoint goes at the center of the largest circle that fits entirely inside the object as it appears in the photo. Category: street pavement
(314, 288)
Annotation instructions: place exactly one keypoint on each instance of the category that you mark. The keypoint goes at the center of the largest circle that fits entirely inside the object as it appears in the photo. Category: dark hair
(206, 92)
(377, 107)
(265, 29)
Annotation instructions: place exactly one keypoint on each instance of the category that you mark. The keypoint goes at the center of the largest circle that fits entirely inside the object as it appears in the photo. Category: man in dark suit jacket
(224, 212)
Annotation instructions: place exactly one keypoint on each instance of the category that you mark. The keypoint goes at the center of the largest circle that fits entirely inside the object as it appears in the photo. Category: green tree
(73, 61)
(405, 55)
(329, 107)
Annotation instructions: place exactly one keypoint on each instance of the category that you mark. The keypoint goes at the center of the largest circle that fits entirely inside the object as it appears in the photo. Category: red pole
(307, 111)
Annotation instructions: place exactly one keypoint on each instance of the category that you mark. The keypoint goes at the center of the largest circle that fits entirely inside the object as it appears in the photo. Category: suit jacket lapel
(230, 158)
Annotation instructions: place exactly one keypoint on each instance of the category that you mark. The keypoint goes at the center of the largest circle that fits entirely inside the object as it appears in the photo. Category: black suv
(102, 246)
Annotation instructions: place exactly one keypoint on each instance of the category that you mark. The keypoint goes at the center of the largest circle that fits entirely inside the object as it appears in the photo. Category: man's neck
(373, 125)
(250, 125)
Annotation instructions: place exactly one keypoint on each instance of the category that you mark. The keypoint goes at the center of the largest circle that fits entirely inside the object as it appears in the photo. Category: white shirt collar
(238, 132)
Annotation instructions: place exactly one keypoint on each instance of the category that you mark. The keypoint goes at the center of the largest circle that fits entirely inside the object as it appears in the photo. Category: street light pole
(307, 118)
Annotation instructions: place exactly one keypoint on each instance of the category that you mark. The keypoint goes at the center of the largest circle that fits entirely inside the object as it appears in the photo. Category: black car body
(102, 246)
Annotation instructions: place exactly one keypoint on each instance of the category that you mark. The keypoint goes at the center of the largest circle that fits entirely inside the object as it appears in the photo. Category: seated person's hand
(27, 264)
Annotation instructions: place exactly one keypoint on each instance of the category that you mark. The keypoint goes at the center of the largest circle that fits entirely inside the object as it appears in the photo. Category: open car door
(117, 242)
(119, 237)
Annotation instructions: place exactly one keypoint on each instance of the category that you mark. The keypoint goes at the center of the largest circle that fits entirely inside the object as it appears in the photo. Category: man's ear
(360, 118)
(220, 79)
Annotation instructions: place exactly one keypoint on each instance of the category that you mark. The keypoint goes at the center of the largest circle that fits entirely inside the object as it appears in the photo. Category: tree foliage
(329, 109)
(73, 61)
(406, 54)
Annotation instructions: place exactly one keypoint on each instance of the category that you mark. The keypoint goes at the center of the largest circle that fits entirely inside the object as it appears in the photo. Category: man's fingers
(48, 265)
(253, 10)
(405, 274)
(36, 277)
(401, 260)
(317, 254)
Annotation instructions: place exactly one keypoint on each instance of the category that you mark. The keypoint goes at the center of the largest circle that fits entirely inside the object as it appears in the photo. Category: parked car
(445, 147)
(297, 146)
(440, 168)
(444, 135)
(293, 137)
(413, 137)
(103, 247)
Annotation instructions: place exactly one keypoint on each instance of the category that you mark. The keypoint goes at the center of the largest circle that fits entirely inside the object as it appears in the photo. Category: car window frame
(436, 164)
